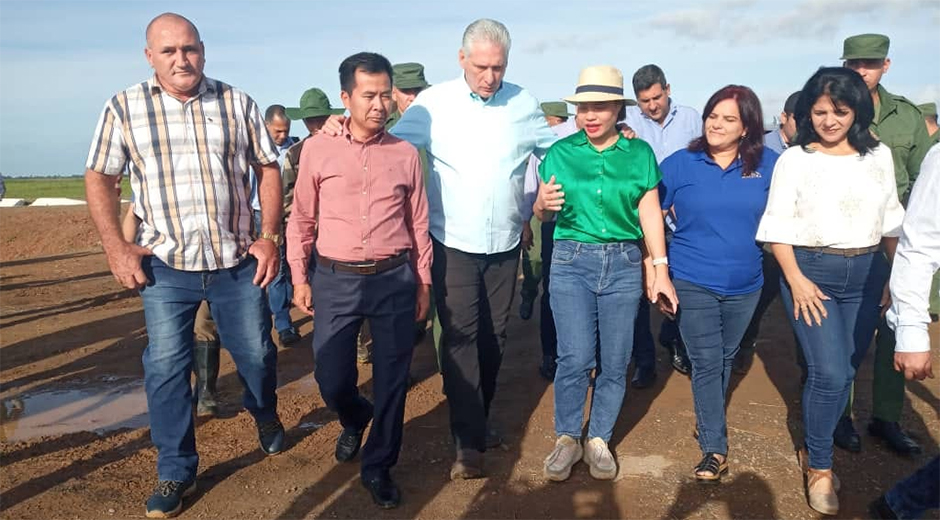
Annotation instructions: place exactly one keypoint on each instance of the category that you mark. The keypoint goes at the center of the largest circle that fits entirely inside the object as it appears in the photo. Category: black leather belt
(367, 267)
(848, 252)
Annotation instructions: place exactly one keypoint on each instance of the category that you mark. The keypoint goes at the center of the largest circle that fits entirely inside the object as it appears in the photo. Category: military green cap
(408, 76)
(313, 103)
(865, 47)
(928, 109)
(555, 108)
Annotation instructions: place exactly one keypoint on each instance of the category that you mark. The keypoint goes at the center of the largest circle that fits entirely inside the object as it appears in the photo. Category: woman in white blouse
(832, 217)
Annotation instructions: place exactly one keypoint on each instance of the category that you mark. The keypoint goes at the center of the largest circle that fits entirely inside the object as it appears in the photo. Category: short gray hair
(486, 30)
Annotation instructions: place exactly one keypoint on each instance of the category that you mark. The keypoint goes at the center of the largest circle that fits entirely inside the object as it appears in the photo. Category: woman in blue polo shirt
(716, 191)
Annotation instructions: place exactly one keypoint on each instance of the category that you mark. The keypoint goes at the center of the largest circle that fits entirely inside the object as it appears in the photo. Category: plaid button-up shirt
(188, 164)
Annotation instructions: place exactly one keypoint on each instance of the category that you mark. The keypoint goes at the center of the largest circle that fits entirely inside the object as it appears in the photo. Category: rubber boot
(206, 366)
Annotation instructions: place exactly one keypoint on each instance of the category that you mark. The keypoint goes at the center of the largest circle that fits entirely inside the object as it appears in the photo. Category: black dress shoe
(891, 432)
(347, 445)
(846, 437)
(525, 307)
(271, 436)
(384, 492)
(643, 377)
(289, 337)
(680, 359)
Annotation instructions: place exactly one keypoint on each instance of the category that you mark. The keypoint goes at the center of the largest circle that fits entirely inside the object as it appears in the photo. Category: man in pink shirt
(360, 198)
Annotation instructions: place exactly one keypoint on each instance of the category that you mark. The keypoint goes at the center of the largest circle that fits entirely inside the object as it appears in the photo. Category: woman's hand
(549, 199)
(663, 294)
(807, 300)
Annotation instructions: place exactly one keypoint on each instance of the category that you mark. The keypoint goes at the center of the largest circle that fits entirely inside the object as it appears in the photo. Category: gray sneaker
(599, 458)
(566, 454)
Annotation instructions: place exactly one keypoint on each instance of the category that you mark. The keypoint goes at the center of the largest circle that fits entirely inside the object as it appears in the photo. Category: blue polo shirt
(717, 214)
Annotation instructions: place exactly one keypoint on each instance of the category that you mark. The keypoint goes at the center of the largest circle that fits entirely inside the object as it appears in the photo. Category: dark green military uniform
(900, 125)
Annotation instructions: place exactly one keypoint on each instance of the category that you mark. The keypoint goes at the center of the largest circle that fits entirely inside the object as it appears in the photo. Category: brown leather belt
(367, 267)
(849, 252)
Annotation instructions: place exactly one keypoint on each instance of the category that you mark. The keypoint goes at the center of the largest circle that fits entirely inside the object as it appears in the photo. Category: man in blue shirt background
(667, 127)
(778, 140)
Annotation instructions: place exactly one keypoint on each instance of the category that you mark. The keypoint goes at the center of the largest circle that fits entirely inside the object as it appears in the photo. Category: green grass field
(33, 188)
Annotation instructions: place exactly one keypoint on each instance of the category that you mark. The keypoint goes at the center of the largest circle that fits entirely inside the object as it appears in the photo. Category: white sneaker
(558, 464)
(599, 458)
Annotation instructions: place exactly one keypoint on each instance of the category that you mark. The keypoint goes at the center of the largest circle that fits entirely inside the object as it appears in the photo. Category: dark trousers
(473, 293)
(914, 495)
(343, 301)
(547, 321)
(644, 350)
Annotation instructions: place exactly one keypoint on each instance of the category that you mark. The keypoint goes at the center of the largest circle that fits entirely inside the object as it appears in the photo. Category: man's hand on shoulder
(626, 131)
(333, 125)
(124, 262)
(268, 262)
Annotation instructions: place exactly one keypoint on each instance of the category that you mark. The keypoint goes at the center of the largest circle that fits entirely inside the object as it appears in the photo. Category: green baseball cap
(313, 103)
(928, 109)
(865, 47)
(555, 108)
(409, 76)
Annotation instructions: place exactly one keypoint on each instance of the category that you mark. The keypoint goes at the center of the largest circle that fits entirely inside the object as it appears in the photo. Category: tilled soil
(66, 326)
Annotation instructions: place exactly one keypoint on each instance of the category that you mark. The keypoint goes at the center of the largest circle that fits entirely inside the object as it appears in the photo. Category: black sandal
(713, 467)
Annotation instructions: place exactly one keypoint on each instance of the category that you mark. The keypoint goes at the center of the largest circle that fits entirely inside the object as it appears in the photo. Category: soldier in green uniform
(930, 117)
(899, 125)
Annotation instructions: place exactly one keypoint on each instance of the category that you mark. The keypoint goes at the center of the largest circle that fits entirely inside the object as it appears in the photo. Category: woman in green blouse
(603, 188)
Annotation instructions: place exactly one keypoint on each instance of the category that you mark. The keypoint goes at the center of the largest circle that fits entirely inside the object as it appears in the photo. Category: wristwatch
(273, 237)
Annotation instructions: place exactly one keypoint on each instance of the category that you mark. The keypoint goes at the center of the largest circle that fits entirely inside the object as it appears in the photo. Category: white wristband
(663, 260)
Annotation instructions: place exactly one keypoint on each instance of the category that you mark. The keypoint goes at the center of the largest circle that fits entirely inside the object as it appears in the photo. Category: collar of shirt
(886, 102)
(735, 164)
(347, 134)
(155, 89)
(581, 139)
(477, 97)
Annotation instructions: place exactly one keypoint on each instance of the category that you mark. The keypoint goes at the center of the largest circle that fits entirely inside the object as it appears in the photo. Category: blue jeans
(712, 326)
(911, 497)
(240, 311)
(834, 350)
(280, 294)
(595, 292)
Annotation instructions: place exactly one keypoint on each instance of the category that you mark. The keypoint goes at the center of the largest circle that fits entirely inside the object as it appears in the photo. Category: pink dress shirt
(359, 202)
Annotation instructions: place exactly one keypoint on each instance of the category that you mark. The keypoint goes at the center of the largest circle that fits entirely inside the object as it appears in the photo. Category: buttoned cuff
(911, 338)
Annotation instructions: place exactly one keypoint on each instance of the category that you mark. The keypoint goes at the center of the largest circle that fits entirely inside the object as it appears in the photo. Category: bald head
(168, 20)
(176, 54)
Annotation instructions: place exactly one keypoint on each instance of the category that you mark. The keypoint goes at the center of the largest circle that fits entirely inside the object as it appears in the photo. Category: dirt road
(76, 443)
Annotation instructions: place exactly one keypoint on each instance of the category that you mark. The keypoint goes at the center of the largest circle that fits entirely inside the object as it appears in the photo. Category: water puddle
(60, 411)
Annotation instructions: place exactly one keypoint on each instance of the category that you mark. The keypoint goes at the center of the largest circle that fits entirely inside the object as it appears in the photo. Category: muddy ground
(75, 442)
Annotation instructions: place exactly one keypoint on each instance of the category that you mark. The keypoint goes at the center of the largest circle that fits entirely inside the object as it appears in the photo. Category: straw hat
(598, 83)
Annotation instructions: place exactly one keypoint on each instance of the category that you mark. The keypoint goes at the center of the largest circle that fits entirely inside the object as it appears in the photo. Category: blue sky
(60, 61)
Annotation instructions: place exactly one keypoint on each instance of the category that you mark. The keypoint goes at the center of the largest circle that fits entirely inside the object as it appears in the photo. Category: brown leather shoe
(469, 464)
